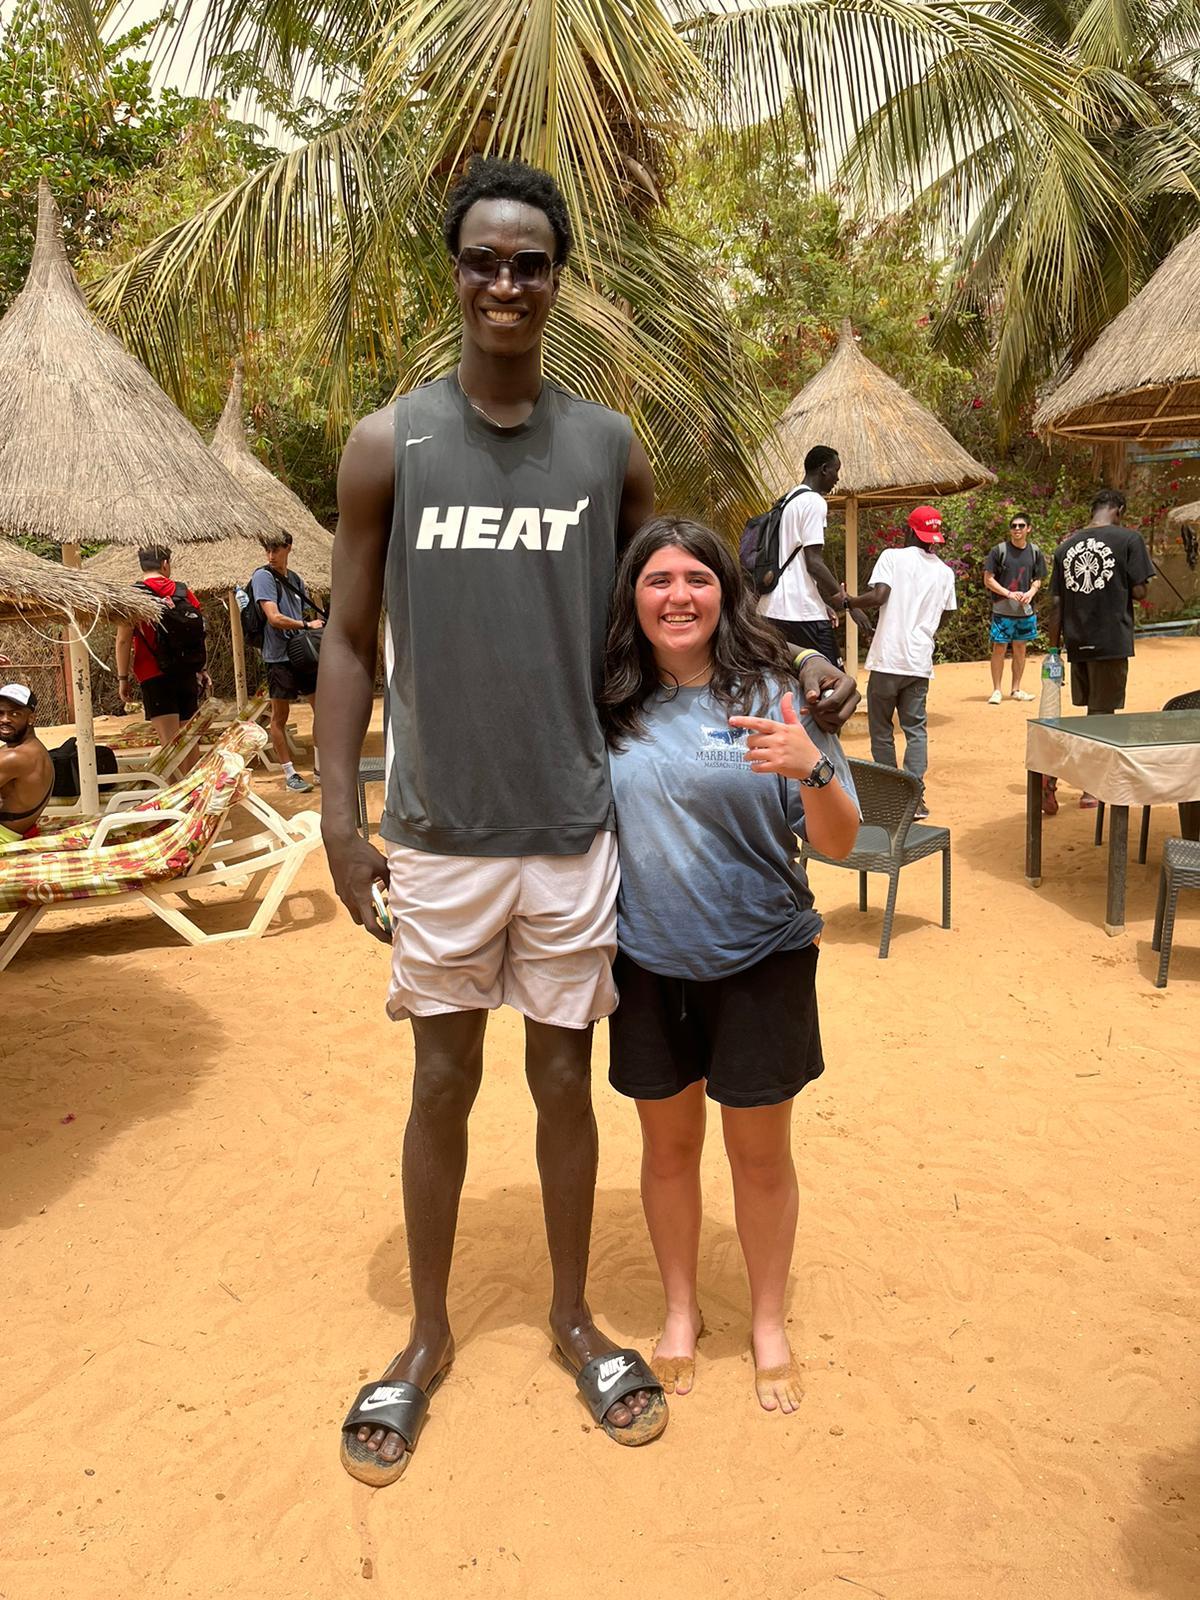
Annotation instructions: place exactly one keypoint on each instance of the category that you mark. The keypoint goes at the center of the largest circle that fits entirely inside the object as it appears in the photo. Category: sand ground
(994, 1289)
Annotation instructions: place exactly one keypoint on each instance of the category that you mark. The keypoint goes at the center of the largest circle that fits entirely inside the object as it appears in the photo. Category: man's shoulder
(592, 412)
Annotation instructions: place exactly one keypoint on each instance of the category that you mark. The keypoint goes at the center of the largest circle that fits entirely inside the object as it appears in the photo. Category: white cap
(16, 692)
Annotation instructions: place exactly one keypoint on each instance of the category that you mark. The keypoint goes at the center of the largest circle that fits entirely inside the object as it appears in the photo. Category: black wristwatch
(820, 775)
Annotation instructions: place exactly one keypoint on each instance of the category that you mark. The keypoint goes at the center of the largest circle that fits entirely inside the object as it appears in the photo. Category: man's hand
(355, 865)
(830, 695)
(206, 687)
(782, 747)
(315, 624)
(862, 622)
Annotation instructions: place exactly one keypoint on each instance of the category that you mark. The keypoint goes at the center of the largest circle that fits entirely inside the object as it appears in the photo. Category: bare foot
(674, 1360)
(776, 1375)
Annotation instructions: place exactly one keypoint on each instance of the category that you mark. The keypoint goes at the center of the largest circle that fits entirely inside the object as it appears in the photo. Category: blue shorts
(1006, 629)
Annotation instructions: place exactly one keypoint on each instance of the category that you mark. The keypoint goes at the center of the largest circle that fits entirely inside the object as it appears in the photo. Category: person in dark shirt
(1098, 573)
(1013, 572)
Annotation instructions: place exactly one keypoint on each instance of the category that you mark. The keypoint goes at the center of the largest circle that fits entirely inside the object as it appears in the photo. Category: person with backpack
(291, 663)
(169, 658)
(790, 558)
(1013, 572)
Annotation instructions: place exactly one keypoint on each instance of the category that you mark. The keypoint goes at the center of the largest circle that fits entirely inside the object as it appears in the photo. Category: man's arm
(871, 599)
(123, 647)
(828, 587)
(1054, 616)
(345, 686)
(637, 494)
(280, 619)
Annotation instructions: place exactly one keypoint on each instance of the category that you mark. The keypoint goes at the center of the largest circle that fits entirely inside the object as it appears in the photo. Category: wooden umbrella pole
(852, 583)
(81, 684)
(239, 648)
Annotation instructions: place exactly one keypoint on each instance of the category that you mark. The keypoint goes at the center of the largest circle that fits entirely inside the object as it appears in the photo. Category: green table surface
(1128, 729)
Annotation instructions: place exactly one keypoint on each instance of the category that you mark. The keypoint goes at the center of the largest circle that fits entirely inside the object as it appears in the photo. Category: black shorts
(170, 695)
(283, 683)
(1099, 685)
(811, 636)
(754, 1036)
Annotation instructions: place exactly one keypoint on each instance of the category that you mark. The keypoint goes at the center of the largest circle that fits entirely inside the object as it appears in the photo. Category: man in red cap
(913, 590)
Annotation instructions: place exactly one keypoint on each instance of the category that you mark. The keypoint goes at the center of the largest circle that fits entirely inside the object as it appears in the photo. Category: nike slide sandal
(608, 1378)
(397, 1407)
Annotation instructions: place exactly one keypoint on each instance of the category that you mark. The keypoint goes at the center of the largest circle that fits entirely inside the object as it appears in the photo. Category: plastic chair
(371, 769)
(888, 838)
(1180, 870)
(1179, 702)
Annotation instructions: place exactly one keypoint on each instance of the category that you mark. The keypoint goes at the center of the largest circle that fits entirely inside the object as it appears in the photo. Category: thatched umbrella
(91, 447)
(1141, 378)
(217, 568)
(893, 450)
(33, 590)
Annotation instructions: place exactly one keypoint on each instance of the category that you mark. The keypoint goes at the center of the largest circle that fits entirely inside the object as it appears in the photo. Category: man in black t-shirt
(1098, 573)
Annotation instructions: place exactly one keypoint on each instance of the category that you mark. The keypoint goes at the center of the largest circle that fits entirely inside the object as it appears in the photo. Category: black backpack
(758, 547)
(178, 642)
(254, 624)
(65, 760)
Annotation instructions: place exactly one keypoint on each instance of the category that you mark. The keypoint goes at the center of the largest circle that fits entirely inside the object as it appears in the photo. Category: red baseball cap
(926, 523)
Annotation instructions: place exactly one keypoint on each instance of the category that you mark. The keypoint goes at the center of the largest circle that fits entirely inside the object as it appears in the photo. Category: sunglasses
(1018, 524)
(528, 269)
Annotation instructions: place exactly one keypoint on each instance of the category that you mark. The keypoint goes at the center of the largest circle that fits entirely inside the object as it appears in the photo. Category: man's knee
(444, 1088)
(559, 1071)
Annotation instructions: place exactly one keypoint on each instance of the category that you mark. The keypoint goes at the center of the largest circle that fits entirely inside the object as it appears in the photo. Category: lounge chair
(161, 852)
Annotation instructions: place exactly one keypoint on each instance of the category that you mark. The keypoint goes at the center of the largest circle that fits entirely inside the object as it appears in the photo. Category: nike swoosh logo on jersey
(606, 1379)
(421, 440)
(380, 1398)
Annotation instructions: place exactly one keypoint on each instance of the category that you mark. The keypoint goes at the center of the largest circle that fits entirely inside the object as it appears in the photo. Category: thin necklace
(475, 406)
(684, 683)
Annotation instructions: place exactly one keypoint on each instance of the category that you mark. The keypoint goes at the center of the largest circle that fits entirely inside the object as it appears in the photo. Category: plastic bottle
(1052, 682)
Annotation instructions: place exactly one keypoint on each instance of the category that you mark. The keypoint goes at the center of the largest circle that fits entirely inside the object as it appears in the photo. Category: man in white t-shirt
(913, 590)
(800, 602)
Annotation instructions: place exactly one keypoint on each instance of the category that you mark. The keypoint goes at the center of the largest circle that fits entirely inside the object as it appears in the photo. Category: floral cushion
(61, 866)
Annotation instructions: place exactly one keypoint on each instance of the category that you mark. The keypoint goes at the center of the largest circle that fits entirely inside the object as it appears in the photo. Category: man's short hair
(493, 178)
(152, 556)
(1105, 498)
(819, 456)
(276, 541)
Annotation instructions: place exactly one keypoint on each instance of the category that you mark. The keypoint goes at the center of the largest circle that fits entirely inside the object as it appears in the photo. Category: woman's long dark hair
(748, 655)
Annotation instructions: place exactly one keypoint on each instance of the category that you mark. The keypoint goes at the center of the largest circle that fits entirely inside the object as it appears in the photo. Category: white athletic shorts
(475, 932)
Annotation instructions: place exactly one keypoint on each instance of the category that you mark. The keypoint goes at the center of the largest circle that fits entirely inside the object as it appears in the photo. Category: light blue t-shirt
(709, 883)
(266, 586)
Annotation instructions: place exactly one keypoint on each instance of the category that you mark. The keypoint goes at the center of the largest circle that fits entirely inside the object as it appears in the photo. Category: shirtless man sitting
(26, 771)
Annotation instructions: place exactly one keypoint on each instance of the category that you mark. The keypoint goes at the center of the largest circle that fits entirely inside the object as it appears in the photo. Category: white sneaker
(1021, 694)
(995, 697)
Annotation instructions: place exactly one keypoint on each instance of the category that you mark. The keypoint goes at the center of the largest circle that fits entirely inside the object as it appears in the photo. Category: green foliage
(790, 263)
(81, 132)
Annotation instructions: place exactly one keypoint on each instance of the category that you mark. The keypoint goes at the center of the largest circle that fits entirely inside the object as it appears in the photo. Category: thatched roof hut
(1141, 378)
(43, 591)
(208, 569)
(312, 546)
(90, 446)
(892, 448)
(1184, 516)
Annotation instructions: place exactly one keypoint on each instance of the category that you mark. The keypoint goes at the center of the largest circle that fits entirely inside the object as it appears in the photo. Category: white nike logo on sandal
(381, 1398)
(606, 1377)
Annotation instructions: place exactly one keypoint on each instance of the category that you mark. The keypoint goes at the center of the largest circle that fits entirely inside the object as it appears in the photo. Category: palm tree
(1057, 274)
(344, 230)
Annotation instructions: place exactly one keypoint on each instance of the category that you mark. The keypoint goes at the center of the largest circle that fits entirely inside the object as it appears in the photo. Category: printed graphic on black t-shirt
(1018, 571)
(1095, 572)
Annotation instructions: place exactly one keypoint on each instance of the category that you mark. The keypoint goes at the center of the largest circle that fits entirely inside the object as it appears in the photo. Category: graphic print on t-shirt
(724, 746)
(1089, 566)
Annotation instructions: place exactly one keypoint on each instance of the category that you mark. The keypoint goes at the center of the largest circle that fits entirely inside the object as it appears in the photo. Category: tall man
(913, 591)
(168, 658)
(800, 603)
(1098, 573)
(26, 770)
(492, 502)
(1013, 571)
